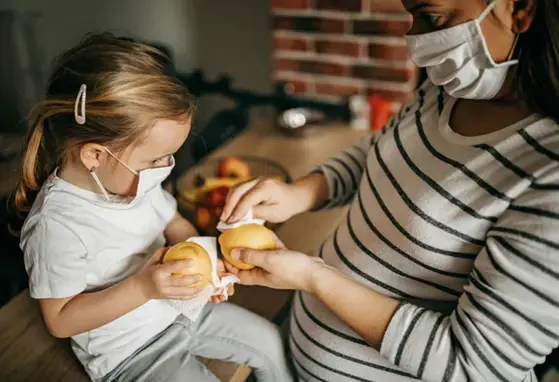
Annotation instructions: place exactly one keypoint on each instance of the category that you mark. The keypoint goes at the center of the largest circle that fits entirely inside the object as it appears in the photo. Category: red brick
(287, 64)
(326, 68)
(389, 94)
(337, 89)
(309, 24)
(344, 48)
(290, 4)
(339, 5)
(290, 43)
(384, 74)
(312, 66)
(383, 6)
(380, 27)
(388, 52)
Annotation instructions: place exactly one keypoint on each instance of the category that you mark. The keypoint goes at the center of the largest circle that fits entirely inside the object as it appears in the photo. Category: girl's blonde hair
(130, 86)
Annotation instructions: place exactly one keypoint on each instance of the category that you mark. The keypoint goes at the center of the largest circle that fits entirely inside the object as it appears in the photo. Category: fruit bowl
(202, 192)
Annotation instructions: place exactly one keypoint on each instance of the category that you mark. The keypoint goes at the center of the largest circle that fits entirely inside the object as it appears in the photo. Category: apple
(216, 197)
(233, 167)
(203, 217)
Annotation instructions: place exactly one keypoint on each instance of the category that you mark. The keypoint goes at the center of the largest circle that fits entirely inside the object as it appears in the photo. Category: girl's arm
(179, 229)
(67, 317)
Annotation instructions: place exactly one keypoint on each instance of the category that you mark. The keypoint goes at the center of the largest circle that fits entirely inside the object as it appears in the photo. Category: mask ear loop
(512, 50)
(80, 101)
(487, 11)
(96, 178)
(121, 162)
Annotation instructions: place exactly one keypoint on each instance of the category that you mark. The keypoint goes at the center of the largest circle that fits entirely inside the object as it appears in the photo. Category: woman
(447, 266)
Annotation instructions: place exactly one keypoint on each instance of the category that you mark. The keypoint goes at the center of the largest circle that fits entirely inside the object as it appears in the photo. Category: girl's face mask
(458, 59)
(148, 178)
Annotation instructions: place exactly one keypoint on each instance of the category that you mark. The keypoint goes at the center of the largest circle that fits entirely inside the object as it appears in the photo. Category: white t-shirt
(75, 241)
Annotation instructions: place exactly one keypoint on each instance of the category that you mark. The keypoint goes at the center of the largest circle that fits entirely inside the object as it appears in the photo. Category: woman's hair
(130, 86)
(537, 74)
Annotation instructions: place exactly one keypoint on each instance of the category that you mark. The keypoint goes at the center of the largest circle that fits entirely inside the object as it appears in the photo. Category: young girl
(99, 147)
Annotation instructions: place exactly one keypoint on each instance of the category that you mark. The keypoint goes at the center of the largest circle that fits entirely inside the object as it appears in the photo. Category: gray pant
(225, 332)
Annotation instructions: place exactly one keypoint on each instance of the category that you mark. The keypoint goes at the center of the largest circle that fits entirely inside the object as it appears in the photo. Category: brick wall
(336, 48)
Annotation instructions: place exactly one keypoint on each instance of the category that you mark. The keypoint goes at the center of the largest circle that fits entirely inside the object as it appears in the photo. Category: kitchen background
(322, 49)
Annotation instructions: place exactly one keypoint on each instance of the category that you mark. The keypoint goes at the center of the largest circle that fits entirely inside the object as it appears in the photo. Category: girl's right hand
(270, 199)
(157, 281)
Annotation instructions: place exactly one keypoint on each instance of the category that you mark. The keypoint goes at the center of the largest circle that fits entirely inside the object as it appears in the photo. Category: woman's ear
(91, 154)
(523, 15)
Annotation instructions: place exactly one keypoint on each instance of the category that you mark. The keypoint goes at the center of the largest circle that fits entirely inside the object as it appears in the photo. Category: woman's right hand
(157, 281)
(273, 200)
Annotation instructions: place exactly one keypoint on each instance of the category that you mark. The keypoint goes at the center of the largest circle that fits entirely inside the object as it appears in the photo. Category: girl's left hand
(278, 269)
(222, 272)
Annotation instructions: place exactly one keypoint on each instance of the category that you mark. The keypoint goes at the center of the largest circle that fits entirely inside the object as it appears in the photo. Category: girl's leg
(167, 358)
(230, 333)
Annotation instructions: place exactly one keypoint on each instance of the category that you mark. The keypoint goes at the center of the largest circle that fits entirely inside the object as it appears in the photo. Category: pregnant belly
(325, 348)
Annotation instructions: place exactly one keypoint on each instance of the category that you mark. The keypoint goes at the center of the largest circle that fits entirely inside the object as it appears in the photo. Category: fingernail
(191, 262)
(236, 254)
(199, 278)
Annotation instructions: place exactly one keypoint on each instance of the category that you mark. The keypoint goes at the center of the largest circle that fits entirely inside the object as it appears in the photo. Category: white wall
(216, 35)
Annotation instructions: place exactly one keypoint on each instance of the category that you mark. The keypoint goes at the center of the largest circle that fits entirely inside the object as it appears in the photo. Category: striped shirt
(463, 230)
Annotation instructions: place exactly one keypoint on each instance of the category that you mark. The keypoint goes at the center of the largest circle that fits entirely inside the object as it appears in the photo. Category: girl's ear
(91, 154)
(523, 15)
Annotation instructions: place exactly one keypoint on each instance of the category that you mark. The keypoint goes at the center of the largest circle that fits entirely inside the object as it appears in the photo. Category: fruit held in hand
(189, 250)
(254, 236)
(233, 167)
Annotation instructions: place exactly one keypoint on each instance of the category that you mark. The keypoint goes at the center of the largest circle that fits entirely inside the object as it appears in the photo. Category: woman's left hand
(278, 269)
(222, 272)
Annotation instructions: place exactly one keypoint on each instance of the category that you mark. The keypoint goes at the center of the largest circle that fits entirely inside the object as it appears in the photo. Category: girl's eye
(433, 20)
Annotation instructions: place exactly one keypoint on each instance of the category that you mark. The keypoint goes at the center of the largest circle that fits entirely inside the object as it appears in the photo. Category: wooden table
(29, 353)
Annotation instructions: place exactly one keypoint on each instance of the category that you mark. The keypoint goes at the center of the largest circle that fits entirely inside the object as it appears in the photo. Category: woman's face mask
(148, 178)
(458, 59)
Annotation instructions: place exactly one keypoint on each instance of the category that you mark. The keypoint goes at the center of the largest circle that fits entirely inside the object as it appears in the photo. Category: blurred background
(320, 49)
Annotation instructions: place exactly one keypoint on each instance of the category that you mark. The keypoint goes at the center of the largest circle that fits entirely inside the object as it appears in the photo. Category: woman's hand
(278, 269)
(272, 200)
(157, 281)
(222, 272)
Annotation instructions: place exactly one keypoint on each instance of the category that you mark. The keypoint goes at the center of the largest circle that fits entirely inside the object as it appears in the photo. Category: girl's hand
(278, 269)
(222, 272)
(157, 281)
(270, 199)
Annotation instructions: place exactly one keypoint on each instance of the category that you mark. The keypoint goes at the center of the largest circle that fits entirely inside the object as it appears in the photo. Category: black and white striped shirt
(464, 230)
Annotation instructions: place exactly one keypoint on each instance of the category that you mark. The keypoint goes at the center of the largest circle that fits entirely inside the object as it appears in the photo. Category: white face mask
(148, 178)
(458, 59)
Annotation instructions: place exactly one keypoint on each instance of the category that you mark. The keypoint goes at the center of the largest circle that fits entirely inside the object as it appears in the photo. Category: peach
(233, 167)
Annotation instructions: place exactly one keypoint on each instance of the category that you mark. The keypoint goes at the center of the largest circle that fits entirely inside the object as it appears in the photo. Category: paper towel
(218, 287)
(247, 219)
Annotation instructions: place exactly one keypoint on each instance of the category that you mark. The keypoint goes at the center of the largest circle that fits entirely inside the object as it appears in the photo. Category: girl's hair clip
(80, 101)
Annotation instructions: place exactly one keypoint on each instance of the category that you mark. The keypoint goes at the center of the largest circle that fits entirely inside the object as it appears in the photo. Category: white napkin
(193, 307)
(247, 219)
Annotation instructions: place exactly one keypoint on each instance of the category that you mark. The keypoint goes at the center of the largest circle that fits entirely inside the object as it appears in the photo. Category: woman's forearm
(89, 311)
(312, 192)
(366, 311)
